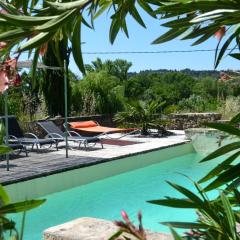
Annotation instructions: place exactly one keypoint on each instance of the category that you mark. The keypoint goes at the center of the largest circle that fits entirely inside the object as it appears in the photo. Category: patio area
(47, 162)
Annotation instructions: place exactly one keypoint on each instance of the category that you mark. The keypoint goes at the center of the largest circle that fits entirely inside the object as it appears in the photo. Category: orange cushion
(84, 124)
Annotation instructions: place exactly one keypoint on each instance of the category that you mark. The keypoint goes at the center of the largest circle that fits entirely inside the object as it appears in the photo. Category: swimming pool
(105, 198)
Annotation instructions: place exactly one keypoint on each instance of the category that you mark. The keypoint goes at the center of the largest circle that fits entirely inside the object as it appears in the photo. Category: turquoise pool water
(129, 191)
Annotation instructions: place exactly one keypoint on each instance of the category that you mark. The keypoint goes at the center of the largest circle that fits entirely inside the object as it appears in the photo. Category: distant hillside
(193, 73)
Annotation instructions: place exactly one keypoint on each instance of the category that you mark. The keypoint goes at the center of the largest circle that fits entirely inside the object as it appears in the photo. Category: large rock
(91, 229)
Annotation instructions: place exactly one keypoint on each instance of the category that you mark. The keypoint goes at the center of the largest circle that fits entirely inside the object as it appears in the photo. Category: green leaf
(114, 29)
(22, 226)
(20, 206)
(102, 9)
(178, 7)
(235, 119)
(202, 39)
(179, 22)
(36, 41)
(9, 8)
(193, 197)
(221, 151)
(175, 234)
(133, 11)
(145, 6)
(236, 194)
(235, 55)
(212, 15)
(68, 5)
(187, 225)
(230, 215)
(124, 27)
(224, 48)
(175, 202)
(4, 198)
(116, 235)
(56, 22)
(14, 34)
(198, 32)
(21, 20)
(76, 45)
(171, 34)
(5, 149)
(220, 168)
(86, 23)
(34, 66)
(224, 178)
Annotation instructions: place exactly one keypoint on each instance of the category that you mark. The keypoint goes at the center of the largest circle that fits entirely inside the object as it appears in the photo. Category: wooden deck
(47, 162)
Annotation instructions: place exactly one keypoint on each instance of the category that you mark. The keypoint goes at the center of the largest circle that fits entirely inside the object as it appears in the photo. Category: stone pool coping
(54, 162)
(92, 228)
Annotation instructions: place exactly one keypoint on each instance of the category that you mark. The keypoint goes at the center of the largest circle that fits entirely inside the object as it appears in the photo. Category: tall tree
(53, 84)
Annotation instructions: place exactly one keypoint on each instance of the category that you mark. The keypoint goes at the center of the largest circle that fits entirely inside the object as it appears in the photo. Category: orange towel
(84, 124)
(91, 126)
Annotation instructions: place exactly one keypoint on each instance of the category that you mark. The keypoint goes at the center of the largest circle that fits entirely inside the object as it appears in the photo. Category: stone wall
(183, 121)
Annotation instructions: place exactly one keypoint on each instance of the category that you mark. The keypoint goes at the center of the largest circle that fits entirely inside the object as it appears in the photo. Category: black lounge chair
(58, 135)
(16, 135)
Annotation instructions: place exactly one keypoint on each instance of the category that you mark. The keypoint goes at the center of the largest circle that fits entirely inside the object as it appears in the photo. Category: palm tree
(118, 68)
(144, 115)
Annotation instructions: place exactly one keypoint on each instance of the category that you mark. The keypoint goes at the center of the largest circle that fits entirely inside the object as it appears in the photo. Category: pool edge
(59, 181)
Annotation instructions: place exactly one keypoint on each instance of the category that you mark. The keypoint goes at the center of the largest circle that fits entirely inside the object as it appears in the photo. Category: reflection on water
(206, 140)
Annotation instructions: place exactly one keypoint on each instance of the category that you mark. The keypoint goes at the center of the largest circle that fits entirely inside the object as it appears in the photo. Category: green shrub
(197, 103)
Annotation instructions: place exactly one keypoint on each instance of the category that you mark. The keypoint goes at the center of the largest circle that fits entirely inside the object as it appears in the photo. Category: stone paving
(47, 162)
(93, 229)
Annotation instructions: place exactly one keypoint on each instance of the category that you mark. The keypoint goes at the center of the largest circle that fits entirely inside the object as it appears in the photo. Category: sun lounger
(94, 128)
(58, 135)
(16, 135)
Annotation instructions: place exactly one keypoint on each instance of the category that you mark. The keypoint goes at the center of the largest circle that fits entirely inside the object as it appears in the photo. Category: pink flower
(17, 81)
(43, 49)
(2, 45)
(3, 11)
(3, 81)
(125, 216)
(220, 33)
(224, 77)
(12, 63)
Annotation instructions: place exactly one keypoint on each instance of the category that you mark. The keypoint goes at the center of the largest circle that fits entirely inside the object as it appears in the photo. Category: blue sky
(140, 40)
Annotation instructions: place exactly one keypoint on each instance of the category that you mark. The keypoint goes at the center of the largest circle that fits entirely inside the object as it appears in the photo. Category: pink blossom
(12, 63)
(3, 11)
(224, 77)
(3, 81)
(43, 49)
(17, 81)
(220, 33)
(125, 216)
(2, 45)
